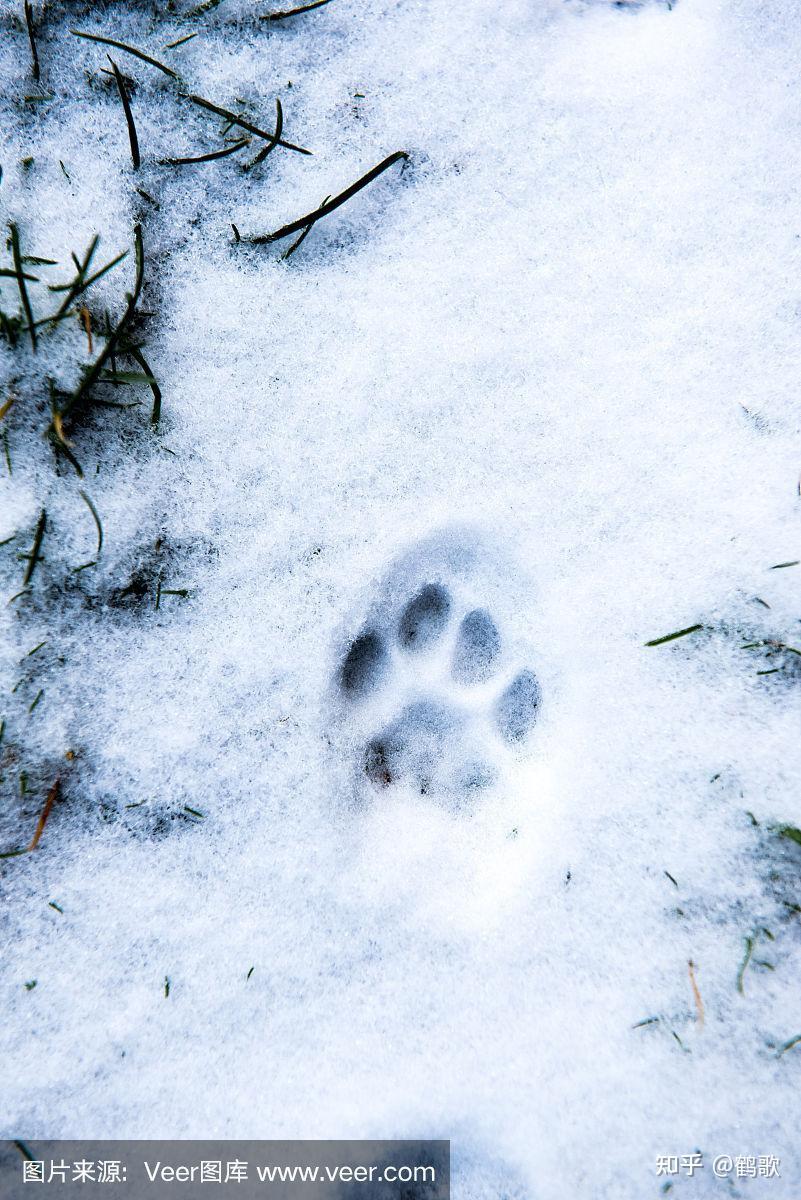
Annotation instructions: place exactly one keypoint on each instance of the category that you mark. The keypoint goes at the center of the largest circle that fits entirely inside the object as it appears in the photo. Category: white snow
(570, 323)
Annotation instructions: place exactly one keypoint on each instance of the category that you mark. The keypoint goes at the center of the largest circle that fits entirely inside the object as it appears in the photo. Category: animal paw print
(437, 701)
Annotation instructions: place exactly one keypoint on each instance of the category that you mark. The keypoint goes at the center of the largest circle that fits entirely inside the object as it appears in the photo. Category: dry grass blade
(52, 796)
(699, 1004)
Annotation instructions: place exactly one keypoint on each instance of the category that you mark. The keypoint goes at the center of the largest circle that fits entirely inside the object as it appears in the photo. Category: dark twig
(126, 107)
(313, 217)
(23, 291)
(293, 12)
(32, 39)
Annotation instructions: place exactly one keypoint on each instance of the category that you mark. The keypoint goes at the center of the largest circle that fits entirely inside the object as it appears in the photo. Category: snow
(565, 336)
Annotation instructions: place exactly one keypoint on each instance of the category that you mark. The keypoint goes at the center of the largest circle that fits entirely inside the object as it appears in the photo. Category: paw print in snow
(437, 700)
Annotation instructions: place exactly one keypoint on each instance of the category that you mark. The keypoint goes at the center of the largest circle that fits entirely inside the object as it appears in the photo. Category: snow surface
(567, 327)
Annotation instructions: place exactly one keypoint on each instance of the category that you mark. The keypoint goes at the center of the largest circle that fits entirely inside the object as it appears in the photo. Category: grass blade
(293, 12)
(74, 288)
(671, 637)
(749, 950)
(92, 375)
(32, 40)
(241, 122)
(52, 796)
(180, 41)
(200, 158)
(200, 10)
(35, 553)
(138, 357)
(23, 291)
(104, 41)
(96, 518)
(126, 107)
(274, 141)
(313, 217)
(794, 1041)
